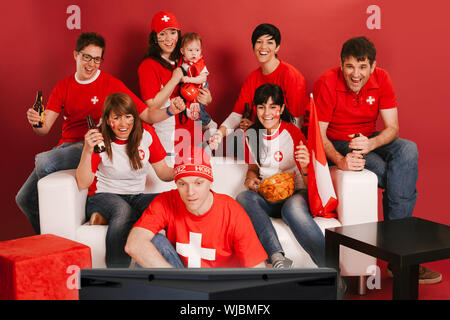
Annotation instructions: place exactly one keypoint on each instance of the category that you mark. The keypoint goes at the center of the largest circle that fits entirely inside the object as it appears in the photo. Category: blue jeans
(63, 157)
(295, 213)
(396, 166)
(204, 116)
(122, 211)
(167, 250)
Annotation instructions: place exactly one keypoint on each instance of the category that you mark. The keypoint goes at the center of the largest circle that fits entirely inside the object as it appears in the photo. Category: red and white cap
(163, 20)
(194, 162)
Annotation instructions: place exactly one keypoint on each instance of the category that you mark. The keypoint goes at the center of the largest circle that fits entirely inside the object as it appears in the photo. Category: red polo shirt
(347, 112)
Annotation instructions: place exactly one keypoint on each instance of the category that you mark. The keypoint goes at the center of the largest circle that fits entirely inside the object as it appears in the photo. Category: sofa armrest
(357, 193)
(61, 204)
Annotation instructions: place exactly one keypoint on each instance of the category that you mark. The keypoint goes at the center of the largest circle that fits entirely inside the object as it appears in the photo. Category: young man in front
(349, 99)
(81, 94)
(203, 228)
(266, 39)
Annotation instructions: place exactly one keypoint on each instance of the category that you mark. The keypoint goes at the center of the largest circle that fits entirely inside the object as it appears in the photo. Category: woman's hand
(252, 183)
(176, 105)
(244, 124)
(91, 139)
(215, 140)
(302, 157)
(204, 96)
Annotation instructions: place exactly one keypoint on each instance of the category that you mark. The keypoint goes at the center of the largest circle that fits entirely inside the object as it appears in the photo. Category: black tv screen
(208, 284)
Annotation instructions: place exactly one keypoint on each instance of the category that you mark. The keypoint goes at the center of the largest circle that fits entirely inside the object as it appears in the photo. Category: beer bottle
(356, 136)
(39, 108)
(247, 112)
(99, 148)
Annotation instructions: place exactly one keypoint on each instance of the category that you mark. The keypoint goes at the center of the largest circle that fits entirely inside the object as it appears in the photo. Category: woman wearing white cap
(159, 78)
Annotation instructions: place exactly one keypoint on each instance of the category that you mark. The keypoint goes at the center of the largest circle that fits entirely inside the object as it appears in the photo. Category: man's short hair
(360, 48)
(266, 29)
(88, 38)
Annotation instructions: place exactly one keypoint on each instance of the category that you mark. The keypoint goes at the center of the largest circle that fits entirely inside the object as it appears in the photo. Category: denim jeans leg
(140, 203)
(121, 217)
(296, 214)
(260, 211)
(396, 167)
(167, 250)
(65, 156)
(400, 194)
(27, 201)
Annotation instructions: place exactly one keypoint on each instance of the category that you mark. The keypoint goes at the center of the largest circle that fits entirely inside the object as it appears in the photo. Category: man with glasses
(77, 96)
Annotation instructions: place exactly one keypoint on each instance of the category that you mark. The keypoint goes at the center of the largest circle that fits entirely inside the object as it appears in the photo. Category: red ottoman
(41, 267)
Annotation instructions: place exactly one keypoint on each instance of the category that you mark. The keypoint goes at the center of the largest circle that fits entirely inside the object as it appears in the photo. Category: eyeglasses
(87, 58)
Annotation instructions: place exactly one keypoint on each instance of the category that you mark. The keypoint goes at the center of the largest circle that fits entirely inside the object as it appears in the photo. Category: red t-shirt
(223, 237)
(152, 77)
(78, 99)
(347, 112)
(287, 77)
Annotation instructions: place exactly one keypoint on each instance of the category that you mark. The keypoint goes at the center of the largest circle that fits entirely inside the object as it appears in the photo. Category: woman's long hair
(122, 104)
(154, 51)
(253, 135)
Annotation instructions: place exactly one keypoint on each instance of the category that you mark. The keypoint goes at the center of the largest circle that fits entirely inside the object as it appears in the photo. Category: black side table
(404, 243)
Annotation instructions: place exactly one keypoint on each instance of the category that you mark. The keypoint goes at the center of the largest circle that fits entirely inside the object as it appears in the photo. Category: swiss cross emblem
(370, 100)
(278, 156)
(94, 100)
(141, 154)
(194, 251)
(165, 18)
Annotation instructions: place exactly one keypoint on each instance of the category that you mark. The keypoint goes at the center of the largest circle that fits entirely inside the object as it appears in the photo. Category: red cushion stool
(41, 268)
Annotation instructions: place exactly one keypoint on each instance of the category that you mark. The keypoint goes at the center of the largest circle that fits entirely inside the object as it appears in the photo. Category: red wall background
(412, 45)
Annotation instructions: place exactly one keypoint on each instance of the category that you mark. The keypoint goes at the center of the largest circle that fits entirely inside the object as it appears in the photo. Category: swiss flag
(322, 197)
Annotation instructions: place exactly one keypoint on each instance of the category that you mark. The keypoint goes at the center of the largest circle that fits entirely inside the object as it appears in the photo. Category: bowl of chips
(278, 187)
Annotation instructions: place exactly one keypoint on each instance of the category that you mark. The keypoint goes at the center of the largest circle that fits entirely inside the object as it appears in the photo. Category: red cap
(195, 162)
(163, 20)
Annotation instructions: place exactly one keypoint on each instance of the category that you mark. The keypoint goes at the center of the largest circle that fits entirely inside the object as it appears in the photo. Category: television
(208, 284)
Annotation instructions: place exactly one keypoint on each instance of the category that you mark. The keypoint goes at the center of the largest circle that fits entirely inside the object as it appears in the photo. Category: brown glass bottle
(39, 108)
(356, 136)
(99, 148)
(247, 112)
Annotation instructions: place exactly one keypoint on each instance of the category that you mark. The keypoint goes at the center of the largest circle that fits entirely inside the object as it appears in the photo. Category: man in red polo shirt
(204, 229)
(349, 99)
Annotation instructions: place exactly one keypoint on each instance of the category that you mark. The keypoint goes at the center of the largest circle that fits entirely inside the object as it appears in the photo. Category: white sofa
(62, 211)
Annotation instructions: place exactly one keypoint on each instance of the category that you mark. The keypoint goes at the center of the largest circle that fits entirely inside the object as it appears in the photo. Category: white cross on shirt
(94, 100)
(165, 18)
(194, 251)
(370, 100)
(278, 156)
